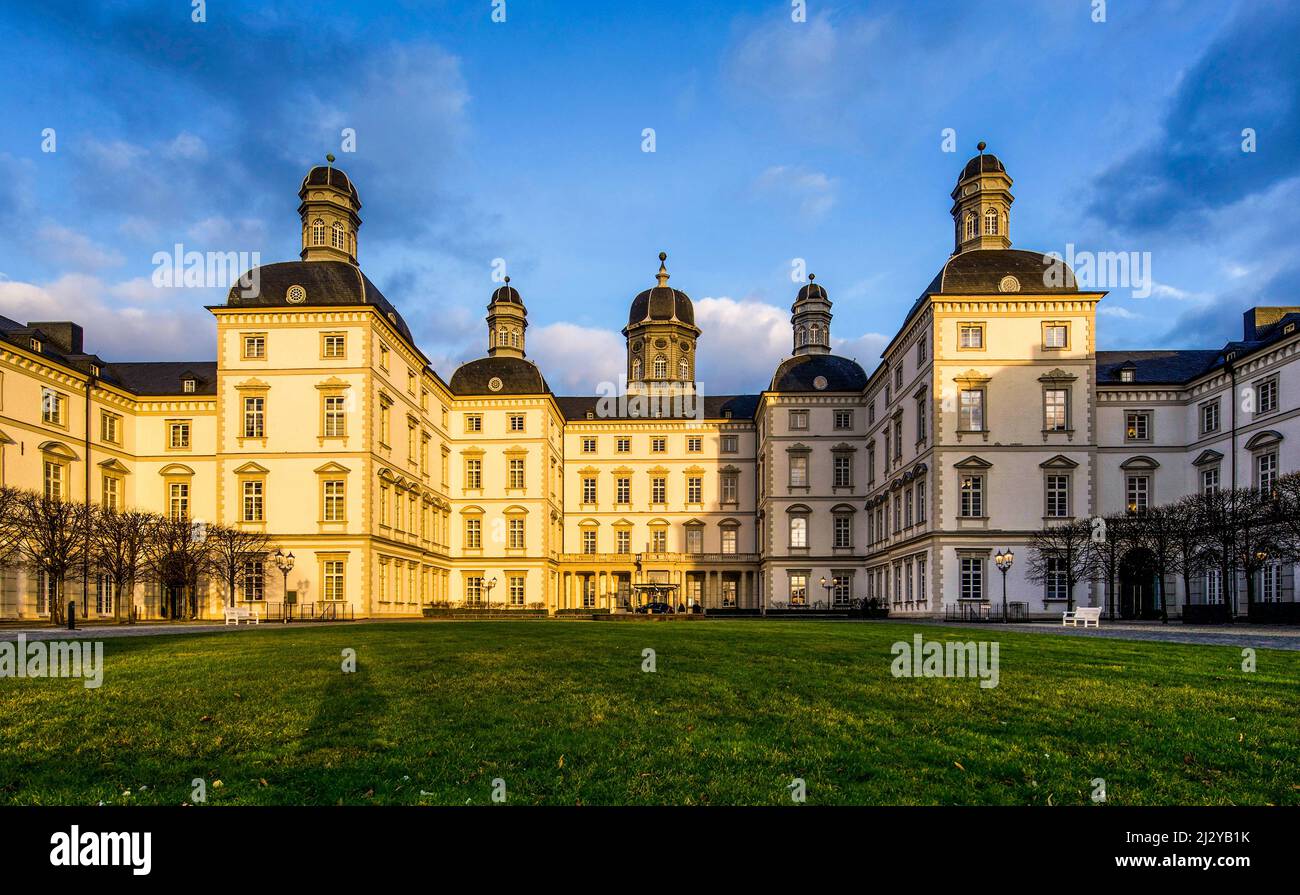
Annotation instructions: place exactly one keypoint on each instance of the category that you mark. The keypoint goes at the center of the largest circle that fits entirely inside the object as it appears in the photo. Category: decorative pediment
(1208, 457)
(112, 464)
(623, 523)
(693, 523)
(516, 510)
(5, 439)
(471, 510)
(1059, 462)
(57, 449)
(843, 448)
(253, 385)
(693, 470)
(251, 468)
(330, 468)
(588, 470)
(1140, 462)
(334, 383)
(729, 469)
(920, 469)
(1267, 438)
(588, 523)
(973, 462)
(174, 469)
(844, 508)
(971, 379)
(798, 448)
(1057, 375)
(798, 509)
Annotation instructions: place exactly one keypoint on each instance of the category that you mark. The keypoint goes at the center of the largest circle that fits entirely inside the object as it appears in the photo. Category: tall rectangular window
(843, 531)
(972, 578)
(589, 489)
(694, 539)
(798, 589)
(1209, 480)
(1058, 496)
(178, 435)
(730, 487)
(112, 489)
(1210, 417)
(971, 410)
(1056, 583)
(333, 495)
(474, 534)
(516, 472)
(110, 427)
(254, 581)
(517, 541)
(473, 473)
(1056, 417)
(729, 540)
(1266, 472)
(658, 490)
(798, 471)
(798, 531)
(253, 501)
(694, 489)
(1138, 492)
(52, 404)
(623, 541)
(1266, 395)
(53, 479)
(517, 590)
(333, 583)
(1137, 426)
(178, 501)
(972, 496)
(254, 417)
(334, 416)
(843, 471)
(623, 490)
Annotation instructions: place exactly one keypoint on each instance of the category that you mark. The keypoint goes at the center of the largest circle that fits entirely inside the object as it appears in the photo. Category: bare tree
(119, 546)
(1109, 539)
(1286, 516)
(233, 550)
(178, 556)
(1187, 530)
(11, 528)
(1258, 539)
(1156, 530)
(1061, 549)
(1217, 523)
(52, 540)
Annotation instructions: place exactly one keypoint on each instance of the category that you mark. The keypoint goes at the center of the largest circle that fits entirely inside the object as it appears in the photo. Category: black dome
(984, 163)
(517, 376)
(984, 270)
(323, 283)
(802, 374)
(662, 303)
(507, 294)
(323, 175)
(812, 290)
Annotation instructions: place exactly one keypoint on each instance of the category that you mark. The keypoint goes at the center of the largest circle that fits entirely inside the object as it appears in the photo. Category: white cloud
(72, 250)
(1118, 312)
(814, 190)
(576, 359)
(117, 332)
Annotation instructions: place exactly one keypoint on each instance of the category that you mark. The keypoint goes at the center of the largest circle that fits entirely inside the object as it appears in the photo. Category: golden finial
(662, 276)
(507, 280)
(329, 157)
(981, 146)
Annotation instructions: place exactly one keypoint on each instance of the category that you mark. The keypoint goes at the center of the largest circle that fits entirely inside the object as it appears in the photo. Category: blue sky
(522, 140)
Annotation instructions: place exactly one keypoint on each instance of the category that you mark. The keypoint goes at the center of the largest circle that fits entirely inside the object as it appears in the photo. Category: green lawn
(563, 713)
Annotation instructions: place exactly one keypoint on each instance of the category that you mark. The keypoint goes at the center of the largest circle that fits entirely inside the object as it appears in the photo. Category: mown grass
(564, 714)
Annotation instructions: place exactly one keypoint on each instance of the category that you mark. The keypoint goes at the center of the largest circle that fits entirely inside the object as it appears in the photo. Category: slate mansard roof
(1180, 366)
(60, 342)
(819, 373)
(326, 284)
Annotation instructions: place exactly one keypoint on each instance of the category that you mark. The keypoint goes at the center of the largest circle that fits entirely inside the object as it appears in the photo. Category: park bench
(236, 614)
(1083, 614)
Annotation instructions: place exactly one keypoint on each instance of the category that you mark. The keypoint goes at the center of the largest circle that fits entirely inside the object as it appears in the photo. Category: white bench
(236, 614)
(1083, 614)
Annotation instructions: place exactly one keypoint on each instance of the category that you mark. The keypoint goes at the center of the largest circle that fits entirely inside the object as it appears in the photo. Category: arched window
(661, 367)
(815, 334)
(514, 338)
(318, 232)
(972, 226)
(800, 337)
(636, 368)
(991, 222)
(339, 237)
(683, 370)
(503, 338)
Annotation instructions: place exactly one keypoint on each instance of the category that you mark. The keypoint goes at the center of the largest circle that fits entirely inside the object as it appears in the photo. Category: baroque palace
(321, 423)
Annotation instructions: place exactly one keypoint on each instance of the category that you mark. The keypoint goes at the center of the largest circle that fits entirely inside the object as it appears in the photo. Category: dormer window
(94, 369)
(36, 345)
(188, 386)
(1126, 374)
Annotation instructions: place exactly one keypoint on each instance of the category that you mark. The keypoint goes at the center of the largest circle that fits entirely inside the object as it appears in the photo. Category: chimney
(1256, 320)
(63, 333)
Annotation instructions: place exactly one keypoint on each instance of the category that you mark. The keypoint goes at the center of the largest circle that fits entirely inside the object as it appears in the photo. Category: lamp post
(487, 588)
(284, 562)
(1003, 560)
(827, 585)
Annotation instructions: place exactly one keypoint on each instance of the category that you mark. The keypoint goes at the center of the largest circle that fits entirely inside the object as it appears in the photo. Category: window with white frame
(799, 531)
(1058, 496)
(1056, 581)
(1210, 417)
(1056, 409)
(1266, 395)
(971, 410)
(843, 471)
(798, 589)
(972, 578)
(1137, 425)
(798, 471)
(843, 531)
(1138, 493)
(1209, 480)
(972, 495)
(1266, 471)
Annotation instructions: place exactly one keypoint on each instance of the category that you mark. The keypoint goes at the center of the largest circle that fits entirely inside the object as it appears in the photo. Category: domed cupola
(507, 319)
(811, 318)
(329, 212)
(981, 204)
(661, 337)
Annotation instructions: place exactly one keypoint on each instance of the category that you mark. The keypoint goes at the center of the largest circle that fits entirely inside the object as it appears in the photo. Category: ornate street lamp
(827, 585)
(487, 587)
(284, 562)
(1003, 560)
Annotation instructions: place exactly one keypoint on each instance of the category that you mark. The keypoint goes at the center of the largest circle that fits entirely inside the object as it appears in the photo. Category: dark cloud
(1219, 321)
(1248, 78)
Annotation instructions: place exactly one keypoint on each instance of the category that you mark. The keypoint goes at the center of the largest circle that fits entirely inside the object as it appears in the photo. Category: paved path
(1259, 636)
